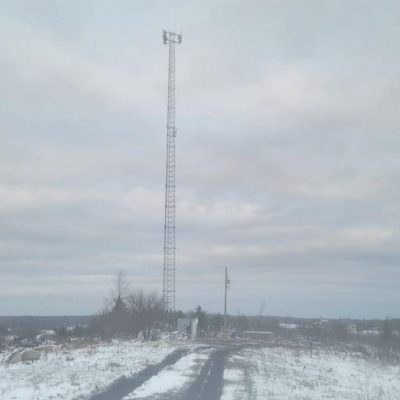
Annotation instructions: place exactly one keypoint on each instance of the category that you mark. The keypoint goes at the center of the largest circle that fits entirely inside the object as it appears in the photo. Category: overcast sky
(288, 162)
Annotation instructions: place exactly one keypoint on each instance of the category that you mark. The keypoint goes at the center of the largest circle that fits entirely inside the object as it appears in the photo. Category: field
(279, 373)
(186, 370)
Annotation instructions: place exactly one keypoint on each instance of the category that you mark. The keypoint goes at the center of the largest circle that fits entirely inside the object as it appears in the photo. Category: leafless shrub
(128, 313)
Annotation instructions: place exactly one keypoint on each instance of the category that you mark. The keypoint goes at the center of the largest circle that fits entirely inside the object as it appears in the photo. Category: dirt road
(183, 375)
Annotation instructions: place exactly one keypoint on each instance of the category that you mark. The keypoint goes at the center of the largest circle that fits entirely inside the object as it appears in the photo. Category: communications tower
(171, 39)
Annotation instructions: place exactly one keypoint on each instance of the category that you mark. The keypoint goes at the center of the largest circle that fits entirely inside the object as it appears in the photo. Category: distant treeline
(132, 313)
(24, 323)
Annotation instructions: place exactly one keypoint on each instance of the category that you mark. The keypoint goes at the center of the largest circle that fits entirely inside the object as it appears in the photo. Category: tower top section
(171, 37)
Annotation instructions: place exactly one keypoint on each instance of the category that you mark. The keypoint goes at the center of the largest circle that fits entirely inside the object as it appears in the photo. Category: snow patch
(172, 378)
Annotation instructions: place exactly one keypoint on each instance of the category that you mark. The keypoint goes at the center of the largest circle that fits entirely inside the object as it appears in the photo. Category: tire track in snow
(171, 382)
(208, 385)
(124, 385)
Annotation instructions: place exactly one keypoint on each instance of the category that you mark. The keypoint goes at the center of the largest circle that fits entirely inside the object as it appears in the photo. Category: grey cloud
(287, 153)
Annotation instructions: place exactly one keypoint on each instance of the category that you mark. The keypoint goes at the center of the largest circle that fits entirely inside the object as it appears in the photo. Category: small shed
(187, 326)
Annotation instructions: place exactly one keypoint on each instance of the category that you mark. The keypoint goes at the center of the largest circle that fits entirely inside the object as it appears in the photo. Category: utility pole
(227, 282)
(169, 223)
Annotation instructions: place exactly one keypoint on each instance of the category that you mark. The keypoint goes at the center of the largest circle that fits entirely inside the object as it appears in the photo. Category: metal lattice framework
(169, 227)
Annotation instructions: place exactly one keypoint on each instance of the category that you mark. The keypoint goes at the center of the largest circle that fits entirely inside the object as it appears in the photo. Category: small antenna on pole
(227, 286)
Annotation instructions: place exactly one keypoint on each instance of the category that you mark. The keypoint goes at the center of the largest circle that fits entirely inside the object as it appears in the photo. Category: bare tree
(146, 311)
(114, 320)
(129, 313)
(120, 291)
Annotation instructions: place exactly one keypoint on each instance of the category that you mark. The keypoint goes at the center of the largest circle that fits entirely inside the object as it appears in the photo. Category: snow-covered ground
(285, 374)
(67, 374)
(250, 374)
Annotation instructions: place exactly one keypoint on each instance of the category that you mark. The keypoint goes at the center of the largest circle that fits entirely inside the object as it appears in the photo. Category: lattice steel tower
(169, 226)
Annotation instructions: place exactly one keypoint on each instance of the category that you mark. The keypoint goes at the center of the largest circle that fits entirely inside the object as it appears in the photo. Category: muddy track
(209, 383)
(124, 385)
